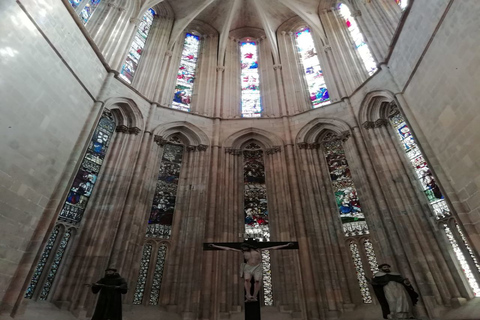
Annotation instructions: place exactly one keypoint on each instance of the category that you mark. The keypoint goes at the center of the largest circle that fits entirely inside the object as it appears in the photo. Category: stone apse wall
(318, 280)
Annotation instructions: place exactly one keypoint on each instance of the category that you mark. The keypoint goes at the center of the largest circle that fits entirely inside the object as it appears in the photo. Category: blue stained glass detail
(250, 79)
(74, 3)
(182, 97)
(311, 67)
(87, 12)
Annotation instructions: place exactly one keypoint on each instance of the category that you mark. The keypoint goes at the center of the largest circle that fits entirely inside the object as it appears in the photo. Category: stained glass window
(143, 273)
(158, 274)
(372, 259)
(161, 214)
(420, 166)
(75, 204)
(463, 262)
(75, 3)
(255, 208)
(317, 88)
(349, 208)
(402, 3)
(136, 49)
(251, 103)
(182, 97)
(82, 187)
(362, 281)
(360, 44)
(87, 12)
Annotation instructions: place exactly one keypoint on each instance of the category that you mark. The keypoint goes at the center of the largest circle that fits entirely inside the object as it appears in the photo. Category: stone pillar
(230, 105)
(268, 88)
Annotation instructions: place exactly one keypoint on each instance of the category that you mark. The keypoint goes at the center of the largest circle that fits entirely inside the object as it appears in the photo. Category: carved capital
(327, 48)
(202, 147)
(313, 146)
(220, 69)
(121, 128)
(191, 148)
(232, 151)
(302, 145)
(159, 140)
(168, 53)
(393, 109)
(277, 67)
(134, 130)
(368, 125)
(356, 13)
(344, 135)
(290, 33)
(273, 150)
(283, 33)
(380, 123)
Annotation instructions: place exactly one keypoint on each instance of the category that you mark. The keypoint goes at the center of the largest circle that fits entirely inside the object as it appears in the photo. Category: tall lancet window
(402, 3)
(73, 210)
(86, 7)
(358, 39)
(136, 49)
(159, 224)
(350, 211)
(182, 97)
(312, 70)
(250, 79)
(255, 208)
(439, 205)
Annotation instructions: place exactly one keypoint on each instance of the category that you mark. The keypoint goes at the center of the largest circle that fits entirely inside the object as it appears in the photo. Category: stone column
(268, 86)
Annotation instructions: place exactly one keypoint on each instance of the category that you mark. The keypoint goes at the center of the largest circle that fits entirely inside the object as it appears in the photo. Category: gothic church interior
(135, 131)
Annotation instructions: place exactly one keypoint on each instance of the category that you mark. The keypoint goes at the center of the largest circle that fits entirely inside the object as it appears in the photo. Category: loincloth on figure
(256, 271)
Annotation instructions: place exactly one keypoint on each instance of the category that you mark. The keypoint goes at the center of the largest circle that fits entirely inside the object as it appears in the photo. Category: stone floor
(47, 311)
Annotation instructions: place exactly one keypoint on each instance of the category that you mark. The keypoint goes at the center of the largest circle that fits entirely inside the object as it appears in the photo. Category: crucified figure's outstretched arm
(290, 244)
(223, 248)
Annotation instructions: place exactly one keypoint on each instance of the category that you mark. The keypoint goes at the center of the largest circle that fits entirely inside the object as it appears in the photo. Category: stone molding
(273, 150)
(368, 125)
(130, 130)
(233, 151)
(134, 130)
(159, 140)
(277, 66)
(327, 48)
(309, 146)
(380, 123)
(220, 68)
(168, 53)
(202, 147)
(356, 13)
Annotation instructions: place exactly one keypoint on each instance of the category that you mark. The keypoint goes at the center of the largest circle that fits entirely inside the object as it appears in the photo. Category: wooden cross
(252, 308)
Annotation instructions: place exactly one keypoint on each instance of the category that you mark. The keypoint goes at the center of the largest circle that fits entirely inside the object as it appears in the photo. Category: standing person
(252, 267)
(394, 292)
(111, 288)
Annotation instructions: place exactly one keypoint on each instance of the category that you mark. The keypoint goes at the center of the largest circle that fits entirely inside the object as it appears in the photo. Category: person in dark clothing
(111, 288)
(394, 293)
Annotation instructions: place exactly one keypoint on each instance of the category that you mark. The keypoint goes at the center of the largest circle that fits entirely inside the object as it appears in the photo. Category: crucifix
(251, 269)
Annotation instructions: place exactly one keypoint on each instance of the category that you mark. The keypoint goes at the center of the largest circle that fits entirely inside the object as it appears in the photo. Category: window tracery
(182, 97)
(250, 80)
(74, 207)
(312, 70)
(358, 39)
(136, 49)
(86, 7)
(255, 208)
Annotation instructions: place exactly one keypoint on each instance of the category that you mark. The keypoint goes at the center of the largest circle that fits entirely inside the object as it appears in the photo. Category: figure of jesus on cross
(252, 267)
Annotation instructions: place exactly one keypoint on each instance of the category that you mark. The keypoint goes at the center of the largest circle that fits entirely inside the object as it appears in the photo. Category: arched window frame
(183, 92)
(140, 38)
(249, 81)
(358, 38)
(318, 94)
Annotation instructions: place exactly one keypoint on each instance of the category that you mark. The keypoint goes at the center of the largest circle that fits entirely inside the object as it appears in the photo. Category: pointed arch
(373, 106)
(265, 138)
(126, 112)
(191, 134)
(316, 128)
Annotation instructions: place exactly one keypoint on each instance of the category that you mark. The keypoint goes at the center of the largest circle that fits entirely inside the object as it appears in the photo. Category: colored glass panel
(158, 274)
(75, 3)
(42, 263)
(136, 49)
(420, 166)
(164, 200)
(182, 97)
(346, 197)
(255, 208)
(360, 44)
(82, 187)
(87, 12)
(402, 3)
(47, 285)
(142, 274)
(362, 281)
(463, 261)
(372, 258)
(251, 103)
(313, 73)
